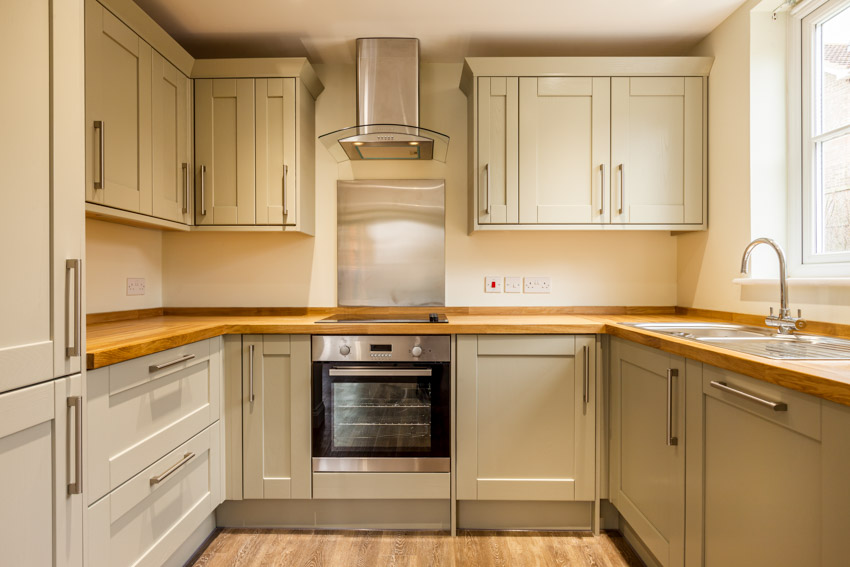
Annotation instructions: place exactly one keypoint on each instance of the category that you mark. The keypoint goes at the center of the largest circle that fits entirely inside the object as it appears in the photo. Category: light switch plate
(513, 284)
(135, 286)
(493, 284)
(538, 284)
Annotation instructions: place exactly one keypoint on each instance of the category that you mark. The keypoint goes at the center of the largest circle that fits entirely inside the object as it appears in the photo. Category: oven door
(390, 417)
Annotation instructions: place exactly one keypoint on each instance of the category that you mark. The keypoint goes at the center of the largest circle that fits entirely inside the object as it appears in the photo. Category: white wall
(268, 269)
(114, 253)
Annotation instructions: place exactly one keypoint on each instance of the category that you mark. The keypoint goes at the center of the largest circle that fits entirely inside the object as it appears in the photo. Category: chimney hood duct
(387, 107)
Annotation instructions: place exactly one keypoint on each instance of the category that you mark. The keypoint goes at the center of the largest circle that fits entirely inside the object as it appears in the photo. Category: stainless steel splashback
(391, 242)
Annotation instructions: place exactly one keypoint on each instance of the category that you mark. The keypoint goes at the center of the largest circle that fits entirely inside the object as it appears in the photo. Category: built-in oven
(381, 403)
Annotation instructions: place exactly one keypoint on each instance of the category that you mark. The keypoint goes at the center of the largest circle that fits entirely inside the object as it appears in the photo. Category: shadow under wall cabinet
(526, 417)
(587, 143)
(255, 144)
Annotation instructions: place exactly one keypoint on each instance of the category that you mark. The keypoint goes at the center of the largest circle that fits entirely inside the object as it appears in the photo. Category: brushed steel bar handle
(76, 487)
(586, 374)
(99, 126)
(251, 374)
(184, 358)
(602, 189)
(622, 186)
(76, 265)
(203, 190)
(487, 177)
(401, 372)
(185, 187)
(285, 175)
(671, 373)
(186, 458)
(775, 406)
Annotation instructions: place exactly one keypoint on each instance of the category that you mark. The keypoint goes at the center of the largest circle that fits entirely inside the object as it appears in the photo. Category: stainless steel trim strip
(185, 167)
(586, 350)
(378, 371)
(381, 464)
(203, 190)
(487, 171)
(671, 373)
(184, 358)
(76, 265)
(99, 126)
(186, 458)
(285, 175)
(76, 487)
(775, 406)
(251, 373)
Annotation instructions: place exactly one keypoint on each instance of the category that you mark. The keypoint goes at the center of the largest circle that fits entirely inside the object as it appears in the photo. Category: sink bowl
(759, 341)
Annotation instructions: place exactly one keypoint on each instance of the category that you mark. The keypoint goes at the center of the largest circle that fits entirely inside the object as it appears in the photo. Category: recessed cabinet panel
(275, 147)
(564, 142)
(118, 113)
(656, 150)
(224, 151)
(497, 171)
(172, 170)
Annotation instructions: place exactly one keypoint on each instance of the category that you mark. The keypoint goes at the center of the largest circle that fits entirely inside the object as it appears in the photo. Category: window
(825, 133)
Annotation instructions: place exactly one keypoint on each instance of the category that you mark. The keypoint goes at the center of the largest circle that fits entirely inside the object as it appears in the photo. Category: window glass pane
(834, 195)
(834, 62)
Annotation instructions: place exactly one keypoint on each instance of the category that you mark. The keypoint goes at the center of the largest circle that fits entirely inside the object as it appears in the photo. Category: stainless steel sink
(759, 341)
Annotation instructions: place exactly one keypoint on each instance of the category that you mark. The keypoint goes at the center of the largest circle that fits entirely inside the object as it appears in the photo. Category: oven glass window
(382, 415)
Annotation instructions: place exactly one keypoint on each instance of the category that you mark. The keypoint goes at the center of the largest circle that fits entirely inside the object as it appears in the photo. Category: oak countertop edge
(111, 343)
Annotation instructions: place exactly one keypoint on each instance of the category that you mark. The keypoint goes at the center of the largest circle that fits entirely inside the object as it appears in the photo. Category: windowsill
(795, 282)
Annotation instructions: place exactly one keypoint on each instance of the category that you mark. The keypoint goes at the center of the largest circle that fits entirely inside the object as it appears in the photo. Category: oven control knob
(416, 351)
(344, 350)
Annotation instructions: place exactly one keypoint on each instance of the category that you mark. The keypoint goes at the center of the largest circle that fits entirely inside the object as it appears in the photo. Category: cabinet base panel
(522, 515)
(636, 543)
(336, 514)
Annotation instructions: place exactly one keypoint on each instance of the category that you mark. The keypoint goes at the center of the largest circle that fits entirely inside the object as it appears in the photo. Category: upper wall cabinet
(255, 144)
(587, 143)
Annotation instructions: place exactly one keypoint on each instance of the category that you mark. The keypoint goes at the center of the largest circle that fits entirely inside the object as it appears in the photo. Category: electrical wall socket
(135, 286)
(493, 284)
(539, 284)
(513, 285)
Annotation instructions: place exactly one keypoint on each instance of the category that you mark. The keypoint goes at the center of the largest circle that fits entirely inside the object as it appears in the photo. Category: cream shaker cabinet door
(657, 150)
(224, 152)
(172, 129)
(41, 514)
(564, 144)
(277, 190)
(118, 113)
(496, 176)
(762, 474)
(647, 447)
(275, 417)
(526, 417)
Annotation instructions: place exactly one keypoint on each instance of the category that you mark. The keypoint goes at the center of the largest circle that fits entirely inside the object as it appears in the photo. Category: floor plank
(366, 548)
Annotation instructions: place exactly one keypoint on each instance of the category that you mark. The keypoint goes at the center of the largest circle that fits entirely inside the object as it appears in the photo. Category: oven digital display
(381, 348)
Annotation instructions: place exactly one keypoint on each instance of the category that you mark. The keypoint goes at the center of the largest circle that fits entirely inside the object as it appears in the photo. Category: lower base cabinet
(526, 417)
(42, 518)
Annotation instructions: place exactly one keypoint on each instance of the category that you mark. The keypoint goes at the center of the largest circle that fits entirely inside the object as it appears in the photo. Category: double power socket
(515, 284)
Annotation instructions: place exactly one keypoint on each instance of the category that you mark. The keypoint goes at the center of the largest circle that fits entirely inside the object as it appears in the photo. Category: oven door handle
(371, 371)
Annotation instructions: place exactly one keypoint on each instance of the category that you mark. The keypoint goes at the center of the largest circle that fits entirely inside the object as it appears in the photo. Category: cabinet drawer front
(803, 413)
(381, 485)
(142, 523)
(137, 413)
(526, 344)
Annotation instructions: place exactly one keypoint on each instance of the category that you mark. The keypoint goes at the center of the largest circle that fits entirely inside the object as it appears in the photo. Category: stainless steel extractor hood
(387, 107)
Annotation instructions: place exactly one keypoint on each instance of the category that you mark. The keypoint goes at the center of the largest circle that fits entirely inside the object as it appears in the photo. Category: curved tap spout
(783, 284)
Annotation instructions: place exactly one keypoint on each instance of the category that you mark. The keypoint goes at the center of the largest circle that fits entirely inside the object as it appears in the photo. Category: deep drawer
(137, 413)
(143, 523)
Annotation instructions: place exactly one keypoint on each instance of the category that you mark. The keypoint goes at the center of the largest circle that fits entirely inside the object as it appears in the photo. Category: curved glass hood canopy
(387, 107)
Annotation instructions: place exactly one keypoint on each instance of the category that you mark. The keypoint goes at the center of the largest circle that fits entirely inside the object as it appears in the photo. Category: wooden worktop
(117, 341)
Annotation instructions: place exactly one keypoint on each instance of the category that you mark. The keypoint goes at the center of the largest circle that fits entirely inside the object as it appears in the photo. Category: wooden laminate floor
(255, 547)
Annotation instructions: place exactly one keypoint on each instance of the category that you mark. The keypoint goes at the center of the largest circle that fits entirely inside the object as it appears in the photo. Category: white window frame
(804, 71)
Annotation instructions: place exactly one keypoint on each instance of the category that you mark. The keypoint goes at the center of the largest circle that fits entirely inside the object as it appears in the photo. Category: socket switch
(493, 284)
(513, 284)
(135, 286)
(539, 284)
